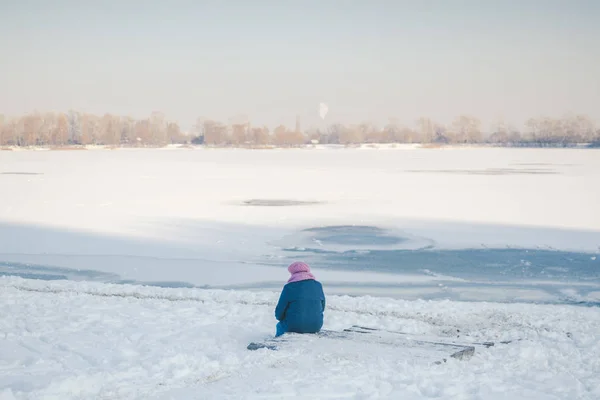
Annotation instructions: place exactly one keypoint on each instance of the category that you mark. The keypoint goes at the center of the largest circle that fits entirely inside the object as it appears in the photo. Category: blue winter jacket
(301, 306)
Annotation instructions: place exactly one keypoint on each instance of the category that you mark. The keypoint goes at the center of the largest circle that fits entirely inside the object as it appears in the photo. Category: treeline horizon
(75, 128)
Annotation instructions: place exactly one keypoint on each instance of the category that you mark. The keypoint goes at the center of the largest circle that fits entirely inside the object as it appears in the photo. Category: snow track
(66, 340)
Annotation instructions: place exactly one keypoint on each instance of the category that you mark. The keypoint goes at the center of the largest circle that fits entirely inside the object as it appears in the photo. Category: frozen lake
(460, 245)
(467, 224)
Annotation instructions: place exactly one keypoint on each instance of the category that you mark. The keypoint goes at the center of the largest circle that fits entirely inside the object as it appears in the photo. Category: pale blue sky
(271, 60)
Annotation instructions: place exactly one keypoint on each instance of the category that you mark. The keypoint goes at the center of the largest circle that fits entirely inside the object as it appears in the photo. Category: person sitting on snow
(301, 303)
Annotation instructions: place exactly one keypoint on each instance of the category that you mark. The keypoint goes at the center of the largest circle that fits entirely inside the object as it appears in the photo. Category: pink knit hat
(300, 272)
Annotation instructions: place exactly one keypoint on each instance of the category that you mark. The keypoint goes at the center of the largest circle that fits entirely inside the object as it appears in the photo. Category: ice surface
(475, 242)
(361, 217)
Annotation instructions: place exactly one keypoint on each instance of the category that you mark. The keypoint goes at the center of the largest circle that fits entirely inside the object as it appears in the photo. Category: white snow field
(144, 274)
(103, 341)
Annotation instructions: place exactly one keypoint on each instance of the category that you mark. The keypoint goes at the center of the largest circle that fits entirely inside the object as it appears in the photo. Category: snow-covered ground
(105, 341)
(515, 232)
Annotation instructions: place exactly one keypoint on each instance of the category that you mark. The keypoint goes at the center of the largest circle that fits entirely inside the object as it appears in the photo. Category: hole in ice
(21, 173)
(490, 171)
(278, 202)
(354, 235)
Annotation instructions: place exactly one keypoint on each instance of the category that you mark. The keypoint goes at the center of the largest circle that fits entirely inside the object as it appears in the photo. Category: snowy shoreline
(78, 339)
(363, 146)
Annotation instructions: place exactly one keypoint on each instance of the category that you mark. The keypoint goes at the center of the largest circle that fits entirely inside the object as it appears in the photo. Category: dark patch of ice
(21, 173)
(278, 202)
(489, 171)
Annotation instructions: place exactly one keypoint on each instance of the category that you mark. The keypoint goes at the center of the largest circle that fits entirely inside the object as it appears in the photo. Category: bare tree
(174, 133)
(504, 133)
(546, 131)
(426, 130)
(143, 134)
(260, 136)
(110, 128)
(211, 132)
(282, 136)
(32, 130)
(90, 129)
(128, 135)
(350, 134)
(391, 131)
(60, 130)
(579, 128)
(158, 128)
(239, 134)
(370, 132)
(74, 120)
(332, 136)
(215, 133)
(465, 129)
(7, 132)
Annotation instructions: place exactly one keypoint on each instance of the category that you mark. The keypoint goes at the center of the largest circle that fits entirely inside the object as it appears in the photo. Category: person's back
(301, 303)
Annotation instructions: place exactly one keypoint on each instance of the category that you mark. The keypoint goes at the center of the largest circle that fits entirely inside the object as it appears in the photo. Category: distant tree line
(74, 128)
